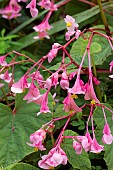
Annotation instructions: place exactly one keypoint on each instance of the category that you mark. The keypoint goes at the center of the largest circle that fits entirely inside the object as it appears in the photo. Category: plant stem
(52, 140)
(4, 95)
(95, 74)
(104, 18)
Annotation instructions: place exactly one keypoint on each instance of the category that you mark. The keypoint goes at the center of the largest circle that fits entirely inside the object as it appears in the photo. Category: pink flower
(95, 147)
(42, 29)
(96, 81)
(64, 82)
(77, 34)
(72, 75)
(37, 139)
(11, 10)
(48, 84)
(42, 35)
(33, 9)
(46, 4)
(2, 60)
(44, 104)
(15, 6)
(38, 77)
(33, 93)
(55, 157)
(70, 105)
(70, 23)
(55, 79)
(68, 35)
(6, 76)
(77, 146)
(90, 93)
(107, 136)
(53, 52)
(86, 142)
(77, 88)
(20, 85)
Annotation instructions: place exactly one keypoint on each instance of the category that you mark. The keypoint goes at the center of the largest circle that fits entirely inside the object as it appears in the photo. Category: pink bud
(77, 146)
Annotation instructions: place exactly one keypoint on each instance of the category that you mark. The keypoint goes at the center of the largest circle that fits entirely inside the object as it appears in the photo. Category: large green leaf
(21, 166)
(99, 51)
(80, 18)
(99, 119)
(77, 161)
(15, 130)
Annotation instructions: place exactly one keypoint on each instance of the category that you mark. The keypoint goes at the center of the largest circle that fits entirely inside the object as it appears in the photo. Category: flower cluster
(38, 89)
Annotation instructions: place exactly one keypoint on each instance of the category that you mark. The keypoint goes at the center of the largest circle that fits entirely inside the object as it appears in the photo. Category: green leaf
(99, 51)
(95, 48)
(21, 166)
(99, 119)
(3, 46)
(15, 130)
(77, 161)
(59, 111)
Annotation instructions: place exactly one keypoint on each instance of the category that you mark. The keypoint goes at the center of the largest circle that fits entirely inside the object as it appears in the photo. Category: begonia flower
(55, 79)
(33, 93)
(6, 76)
(70, 105)
(2, 60)
(77, 88)
(48, 84)
(42, 30)
(46, 4)
(53, 52)
(55, 157)
(95, 147)
(19, 86)
(44, 104)
(77, 146)
(37, 139)
(70, 23)
(96, 81)
(90, 93)
(107, 136)
(33, 9)
(11, 10)
(64, 82)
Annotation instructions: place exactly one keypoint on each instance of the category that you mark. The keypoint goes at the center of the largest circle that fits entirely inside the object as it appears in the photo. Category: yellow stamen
(93, 102)
(69, 24)
(74, 96)
(36, 149)
(53, 103)
(70, 112)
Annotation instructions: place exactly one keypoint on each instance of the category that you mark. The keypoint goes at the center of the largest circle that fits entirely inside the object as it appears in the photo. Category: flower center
(93, 102)
(74, 96)
(69, 24)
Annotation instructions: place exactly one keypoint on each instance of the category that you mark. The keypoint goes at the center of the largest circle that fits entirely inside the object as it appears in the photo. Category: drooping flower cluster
(33, 83)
